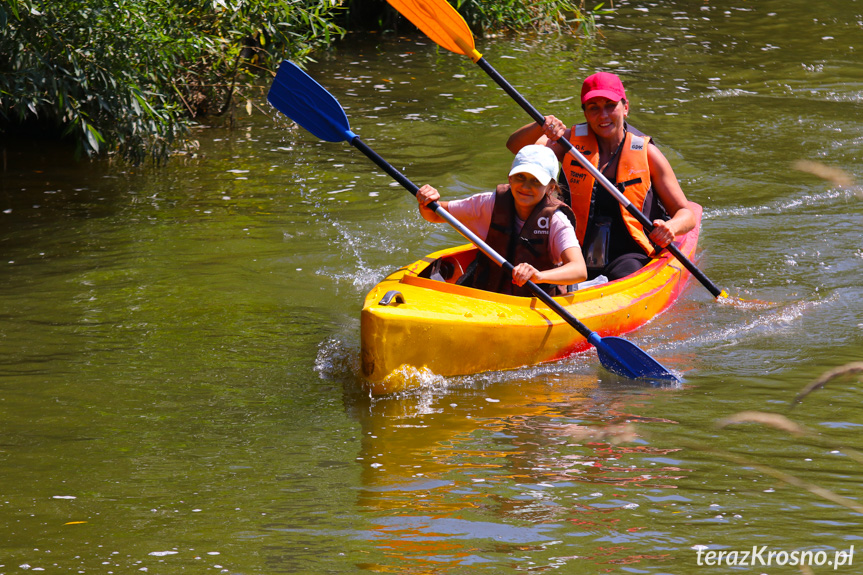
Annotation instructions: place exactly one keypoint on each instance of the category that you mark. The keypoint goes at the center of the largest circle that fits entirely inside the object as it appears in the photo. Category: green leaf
(94, 138)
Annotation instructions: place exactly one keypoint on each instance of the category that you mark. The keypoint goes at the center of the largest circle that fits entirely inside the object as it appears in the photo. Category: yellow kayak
(411, 321)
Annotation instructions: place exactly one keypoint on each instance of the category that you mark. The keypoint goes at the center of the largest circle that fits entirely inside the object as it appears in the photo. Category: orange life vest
(632, 179)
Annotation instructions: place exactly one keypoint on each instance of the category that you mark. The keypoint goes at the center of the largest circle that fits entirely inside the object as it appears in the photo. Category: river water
(180, 346)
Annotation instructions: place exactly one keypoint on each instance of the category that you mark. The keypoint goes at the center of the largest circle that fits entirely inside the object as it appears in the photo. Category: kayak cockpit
(450, 267)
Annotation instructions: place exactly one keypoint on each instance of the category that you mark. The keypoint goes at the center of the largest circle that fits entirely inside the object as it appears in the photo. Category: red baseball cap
(602, 84)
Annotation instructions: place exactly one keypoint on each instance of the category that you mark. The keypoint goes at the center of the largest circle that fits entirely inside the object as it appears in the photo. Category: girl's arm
(425, 196)
(572, 271)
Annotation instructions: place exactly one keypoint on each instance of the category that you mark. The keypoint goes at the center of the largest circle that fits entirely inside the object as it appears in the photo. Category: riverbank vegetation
(128, 78)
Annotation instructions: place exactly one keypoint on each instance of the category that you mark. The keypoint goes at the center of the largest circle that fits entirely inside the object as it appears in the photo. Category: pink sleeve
(561, 237)
(474, 212)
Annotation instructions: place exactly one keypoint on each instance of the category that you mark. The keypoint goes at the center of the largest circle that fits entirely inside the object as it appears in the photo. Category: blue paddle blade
(625, 358)
(299, 97)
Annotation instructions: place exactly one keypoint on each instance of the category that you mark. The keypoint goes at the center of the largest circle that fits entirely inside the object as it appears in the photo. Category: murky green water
(179, 347)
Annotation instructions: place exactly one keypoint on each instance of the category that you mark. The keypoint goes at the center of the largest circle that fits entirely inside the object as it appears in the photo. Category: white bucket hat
(538, 161)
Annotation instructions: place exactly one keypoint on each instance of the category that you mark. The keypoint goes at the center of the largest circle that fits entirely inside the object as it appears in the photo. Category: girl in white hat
(523, 222)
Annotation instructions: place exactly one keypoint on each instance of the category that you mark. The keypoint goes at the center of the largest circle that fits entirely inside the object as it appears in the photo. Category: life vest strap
(529, 243)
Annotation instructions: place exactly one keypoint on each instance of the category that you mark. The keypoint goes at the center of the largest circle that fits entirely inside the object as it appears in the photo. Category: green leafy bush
(127, 76)
(542, 15)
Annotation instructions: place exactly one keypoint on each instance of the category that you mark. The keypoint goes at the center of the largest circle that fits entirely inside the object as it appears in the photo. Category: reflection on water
(453, 477)
(179, 348)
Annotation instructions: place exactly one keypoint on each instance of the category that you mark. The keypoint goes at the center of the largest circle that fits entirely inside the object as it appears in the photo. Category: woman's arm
(545, 135)
(668, 189)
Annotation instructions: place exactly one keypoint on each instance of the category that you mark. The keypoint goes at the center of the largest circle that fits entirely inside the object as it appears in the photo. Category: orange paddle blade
(440, 22)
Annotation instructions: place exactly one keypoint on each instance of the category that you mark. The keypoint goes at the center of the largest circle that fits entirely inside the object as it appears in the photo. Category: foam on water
(337, 359)
(828, 197)
(770, 321)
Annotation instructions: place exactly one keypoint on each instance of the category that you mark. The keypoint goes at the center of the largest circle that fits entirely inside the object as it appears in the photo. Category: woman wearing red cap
(614, 243)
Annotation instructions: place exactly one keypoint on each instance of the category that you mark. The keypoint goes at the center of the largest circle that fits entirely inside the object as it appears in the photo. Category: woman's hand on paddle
(662, 233)
(522, 273)
(553, 128)
(546, 135)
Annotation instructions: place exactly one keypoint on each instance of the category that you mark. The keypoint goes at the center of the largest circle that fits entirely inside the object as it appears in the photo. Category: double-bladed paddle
(445, 26)
(301, 98)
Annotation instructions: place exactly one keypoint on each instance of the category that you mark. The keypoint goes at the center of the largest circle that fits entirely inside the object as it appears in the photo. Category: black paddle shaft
(506, 265)
(636, 213)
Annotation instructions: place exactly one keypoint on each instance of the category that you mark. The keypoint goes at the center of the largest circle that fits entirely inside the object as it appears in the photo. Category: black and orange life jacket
(530, 245)
(632, 178)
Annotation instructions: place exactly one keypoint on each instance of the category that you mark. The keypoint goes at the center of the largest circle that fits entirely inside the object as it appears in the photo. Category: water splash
(337, 359)
(357, 243)
(826, 198)
(772, 321)
(412, 380)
